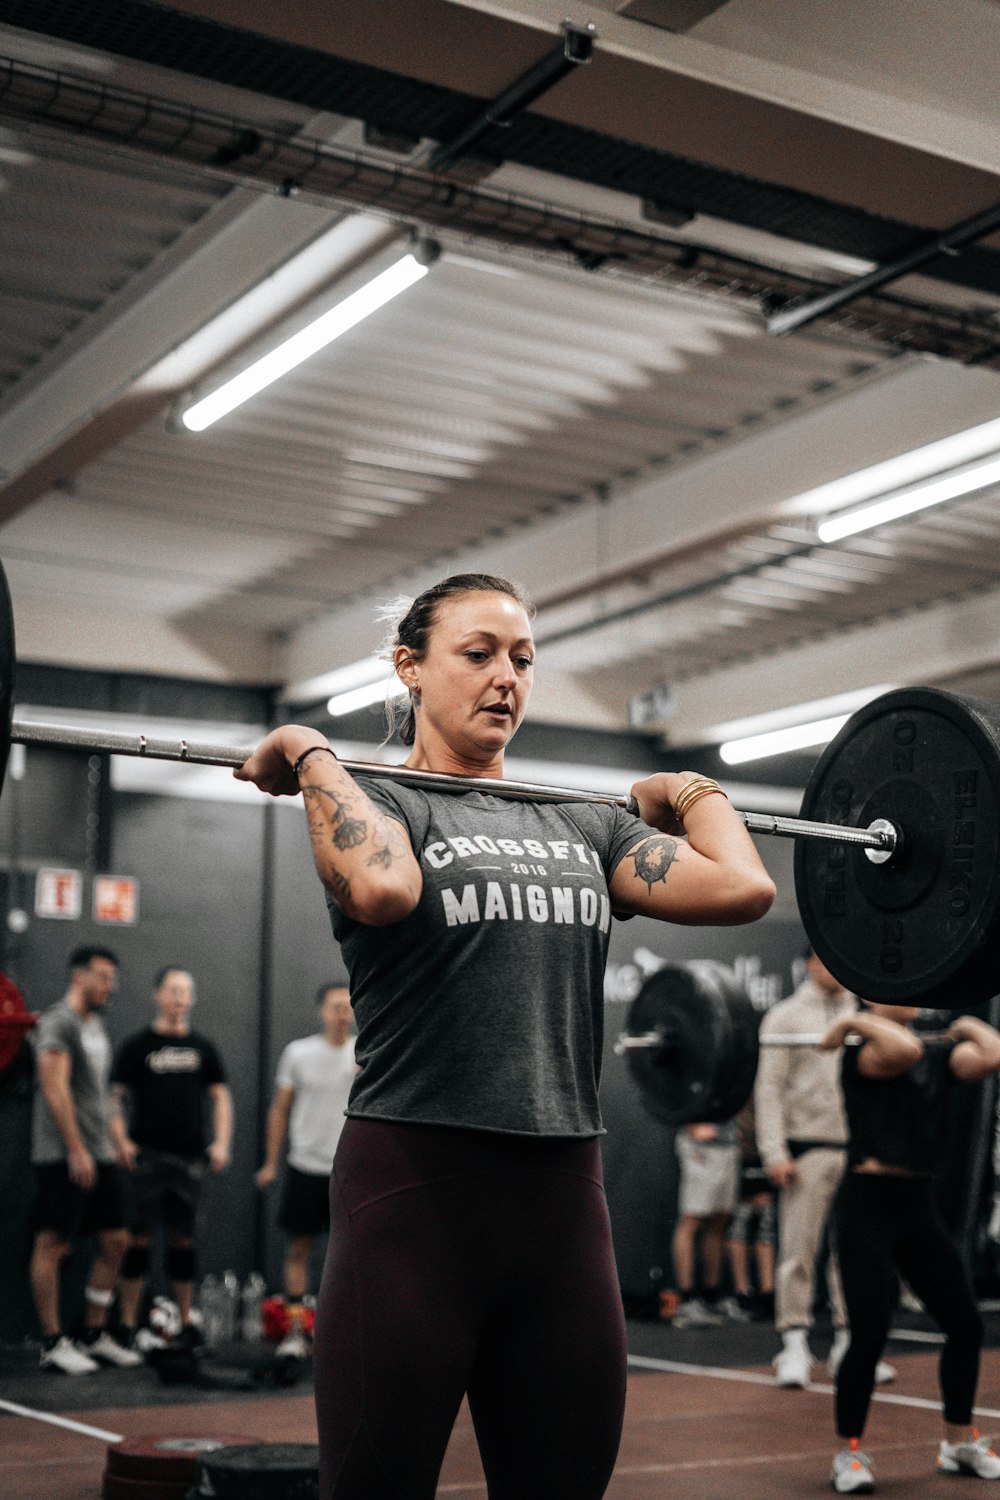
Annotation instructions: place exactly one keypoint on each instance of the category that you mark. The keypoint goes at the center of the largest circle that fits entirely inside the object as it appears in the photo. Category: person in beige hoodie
(802, 1138)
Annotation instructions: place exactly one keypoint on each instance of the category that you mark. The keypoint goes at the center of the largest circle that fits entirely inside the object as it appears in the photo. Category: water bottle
(254, 1289)
(210, 1297)
(230, 1304)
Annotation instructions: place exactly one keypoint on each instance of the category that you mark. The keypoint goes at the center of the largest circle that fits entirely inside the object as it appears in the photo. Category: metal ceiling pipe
(948, 243)
(577, 47)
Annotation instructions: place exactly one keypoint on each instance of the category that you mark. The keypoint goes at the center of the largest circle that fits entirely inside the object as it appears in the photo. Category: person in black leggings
(470, 1249)
(896, 1089)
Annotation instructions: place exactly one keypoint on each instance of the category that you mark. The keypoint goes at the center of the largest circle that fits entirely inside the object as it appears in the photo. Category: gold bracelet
(689, 789)
(691, 792)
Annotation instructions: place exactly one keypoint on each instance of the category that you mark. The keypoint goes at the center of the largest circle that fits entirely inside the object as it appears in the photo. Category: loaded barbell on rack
(897, 867)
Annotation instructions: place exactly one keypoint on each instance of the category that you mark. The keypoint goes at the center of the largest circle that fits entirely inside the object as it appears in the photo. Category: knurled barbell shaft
(881, 838)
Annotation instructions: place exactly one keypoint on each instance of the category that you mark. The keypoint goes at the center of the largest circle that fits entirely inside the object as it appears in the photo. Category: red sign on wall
(59, 893)
(116, 899)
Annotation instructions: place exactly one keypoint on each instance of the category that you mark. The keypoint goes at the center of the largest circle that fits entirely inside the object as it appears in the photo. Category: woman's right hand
(269, 766)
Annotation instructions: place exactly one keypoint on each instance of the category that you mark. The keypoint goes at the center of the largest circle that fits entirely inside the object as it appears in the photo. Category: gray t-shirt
(60, 1029)
(484, 1008)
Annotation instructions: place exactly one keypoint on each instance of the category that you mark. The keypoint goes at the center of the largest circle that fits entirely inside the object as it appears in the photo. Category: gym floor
(703, 1416)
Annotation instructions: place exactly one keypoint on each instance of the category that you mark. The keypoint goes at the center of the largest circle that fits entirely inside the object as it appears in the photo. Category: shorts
(710, 1177)
(164, 1189)
(69, 1210)
(755, 1221)
(305, 1202)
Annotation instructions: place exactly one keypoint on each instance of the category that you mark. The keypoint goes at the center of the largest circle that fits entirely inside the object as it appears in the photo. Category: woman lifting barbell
(470, 1248)
(895, 1093)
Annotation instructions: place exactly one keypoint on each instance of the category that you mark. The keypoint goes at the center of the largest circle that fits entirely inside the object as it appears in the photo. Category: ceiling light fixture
(892, 474)
(907, 502)
(362, 697)
(322, 331)
(780, 741)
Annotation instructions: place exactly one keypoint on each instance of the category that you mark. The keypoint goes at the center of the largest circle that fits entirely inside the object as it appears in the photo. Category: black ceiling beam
(948, 243)
(576, 48)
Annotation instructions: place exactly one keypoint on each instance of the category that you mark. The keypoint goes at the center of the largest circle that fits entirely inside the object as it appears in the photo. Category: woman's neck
(443, 758)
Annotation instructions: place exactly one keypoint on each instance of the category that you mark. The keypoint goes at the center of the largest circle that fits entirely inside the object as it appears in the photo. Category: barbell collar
(880, 840)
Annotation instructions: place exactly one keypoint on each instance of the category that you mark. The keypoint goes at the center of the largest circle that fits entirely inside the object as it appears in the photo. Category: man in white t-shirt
(314, 1079)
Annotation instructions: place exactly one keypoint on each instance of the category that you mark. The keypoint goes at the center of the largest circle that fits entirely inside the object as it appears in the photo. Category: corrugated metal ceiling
(500, 392)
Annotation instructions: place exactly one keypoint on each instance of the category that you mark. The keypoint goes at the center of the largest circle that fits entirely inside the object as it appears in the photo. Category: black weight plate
(705, 1069)
(734, 1075)
(8, 669)
(925, 927)
(261, 1471)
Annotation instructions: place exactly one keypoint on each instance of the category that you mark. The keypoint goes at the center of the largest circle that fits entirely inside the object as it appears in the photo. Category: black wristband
(311, 751)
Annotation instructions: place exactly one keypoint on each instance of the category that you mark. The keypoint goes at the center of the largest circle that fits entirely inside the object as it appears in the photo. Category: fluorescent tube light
(779, 741)
(307, 342)
(906, 468)
(892, 507)
(361, 697)
(796, 713)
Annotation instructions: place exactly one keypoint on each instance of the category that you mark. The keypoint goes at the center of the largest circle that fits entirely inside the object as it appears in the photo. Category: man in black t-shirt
(169, 1073)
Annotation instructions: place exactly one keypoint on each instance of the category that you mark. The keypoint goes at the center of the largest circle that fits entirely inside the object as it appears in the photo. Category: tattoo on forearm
(653, 859)
(328, 818)
(332, 820)
(388, 841)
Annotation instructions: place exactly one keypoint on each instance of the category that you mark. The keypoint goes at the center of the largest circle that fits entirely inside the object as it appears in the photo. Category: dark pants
(886, 1225)
(467, 1262)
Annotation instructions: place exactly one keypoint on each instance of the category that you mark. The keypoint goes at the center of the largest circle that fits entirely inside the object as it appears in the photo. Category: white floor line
(752, 1377)
(67, 1422)
(819, 1455)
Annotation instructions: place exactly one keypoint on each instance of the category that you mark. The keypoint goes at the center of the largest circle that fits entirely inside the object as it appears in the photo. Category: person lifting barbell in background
(470, 1246)
(802, 1135)
(896, 1086)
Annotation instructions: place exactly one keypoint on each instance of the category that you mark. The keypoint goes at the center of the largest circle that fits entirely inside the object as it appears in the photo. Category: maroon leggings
(465, 1262)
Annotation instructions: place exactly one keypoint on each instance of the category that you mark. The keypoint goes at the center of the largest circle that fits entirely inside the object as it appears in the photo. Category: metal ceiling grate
(205, 49)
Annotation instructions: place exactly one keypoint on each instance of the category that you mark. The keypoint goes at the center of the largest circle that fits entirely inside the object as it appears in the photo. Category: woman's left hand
(655, 797)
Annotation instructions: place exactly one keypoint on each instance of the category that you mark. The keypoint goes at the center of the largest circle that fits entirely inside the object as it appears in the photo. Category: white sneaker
(65, 1356)
(294, 1345)
(792, 1367)
(972, 1457)
(694, 1313)
(852, 1472)
(146, 1341)
(885, 1373)
(110, 1352)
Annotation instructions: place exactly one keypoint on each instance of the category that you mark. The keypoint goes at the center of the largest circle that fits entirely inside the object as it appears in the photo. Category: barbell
(897, 866)
(693, 1043)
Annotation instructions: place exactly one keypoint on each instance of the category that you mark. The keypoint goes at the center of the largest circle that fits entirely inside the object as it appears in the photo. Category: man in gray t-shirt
(77, 1185)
